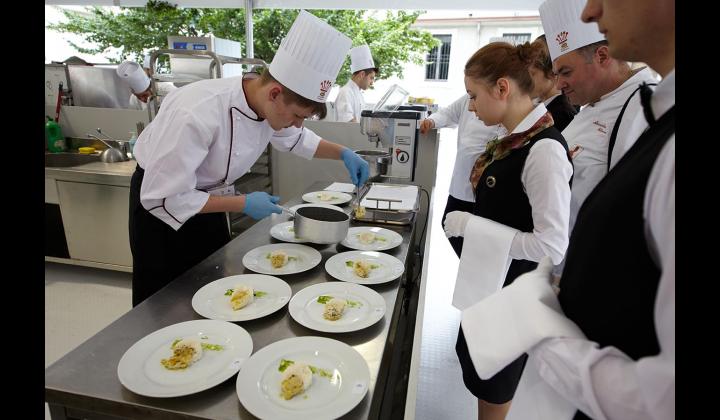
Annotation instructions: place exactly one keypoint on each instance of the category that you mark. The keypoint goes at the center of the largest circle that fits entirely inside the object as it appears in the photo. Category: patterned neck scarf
(497, 149)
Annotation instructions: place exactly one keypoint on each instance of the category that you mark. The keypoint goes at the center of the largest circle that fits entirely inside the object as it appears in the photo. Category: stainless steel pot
(321, 225)
(379, 160)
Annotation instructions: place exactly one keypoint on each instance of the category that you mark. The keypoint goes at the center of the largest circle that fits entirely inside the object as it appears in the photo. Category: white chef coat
(186, 148)
(472, 136)
(545, 177)
(349, 102)
(163, 89)
(591, 129)
(605, 383)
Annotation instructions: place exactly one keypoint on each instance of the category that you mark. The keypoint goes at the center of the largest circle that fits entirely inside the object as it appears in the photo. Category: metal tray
(387, 216)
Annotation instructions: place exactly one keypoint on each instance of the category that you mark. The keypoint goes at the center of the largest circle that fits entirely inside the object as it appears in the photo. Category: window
(516, 39)
(438, 60)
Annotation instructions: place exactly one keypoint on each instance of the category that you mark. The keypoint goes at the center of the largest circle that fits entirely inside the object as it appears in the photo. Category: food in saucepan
(361, 268)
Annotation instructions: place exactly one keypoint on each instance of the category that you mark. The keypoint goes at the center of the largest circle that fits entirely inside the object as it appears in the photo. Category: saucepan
(320, 225)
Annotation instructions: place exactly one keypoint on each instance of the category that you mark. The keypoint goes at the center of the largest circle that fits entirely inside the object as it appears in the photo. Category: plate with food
(285, 232)
(364, 267)
(242, 297)
(279, 259)
(303, 378)
(369, 238)
(327, 197)
(185, 358)
(336, 307)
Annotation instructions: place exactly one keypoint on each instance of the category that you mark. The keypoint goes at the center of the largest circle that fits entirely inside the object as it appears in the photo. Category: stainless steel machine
(397, 133)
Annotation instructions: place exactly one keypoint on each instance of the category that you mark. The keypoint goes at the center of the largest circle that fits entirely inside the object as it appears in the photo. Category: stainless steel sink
(64, 160)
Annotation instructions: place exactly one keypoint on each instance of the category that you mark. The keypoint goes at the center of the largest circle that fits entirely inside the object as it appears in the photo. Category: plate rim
(345, 284)
(362, 282)
(300, 241)
(195, 296)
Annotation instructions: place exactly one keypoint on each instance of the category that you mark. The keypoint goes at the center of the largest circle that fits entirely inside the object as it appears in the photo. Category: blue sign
(180, 45)
(199, 47)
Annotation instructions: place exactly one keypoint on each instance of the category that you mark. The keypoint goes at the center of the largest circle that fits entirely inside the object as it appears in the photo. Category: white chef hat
(310, 57)
(133, 75)
(564, 30)
(361, 59)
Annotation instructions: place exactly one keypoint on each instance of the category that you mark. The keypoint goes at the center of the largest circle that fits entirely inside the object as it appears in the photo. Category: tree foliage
(136, 30)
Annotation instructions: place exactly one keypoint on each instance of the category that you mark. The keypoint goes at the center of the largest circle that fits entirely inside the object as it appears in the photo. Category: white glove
(456, 222)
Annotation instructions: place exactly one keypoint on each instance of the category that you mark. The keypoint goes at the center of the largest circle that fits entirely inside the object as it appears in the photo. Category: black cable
(418, 250)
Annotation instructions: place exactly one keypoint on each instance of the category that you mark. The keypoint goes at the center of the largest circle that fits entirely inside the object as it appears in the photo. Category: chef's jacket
(606, 383)
(349, 102)
(472, 136)
(188, 147)
(545, 177)
(590, 131)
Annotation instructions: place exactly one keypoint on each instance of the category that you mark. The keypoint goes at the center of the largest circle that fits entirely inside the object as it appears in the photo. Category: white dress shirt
(472, 136)
(545, 178)
(605, 383)
(349, 102)
(188, 147)
(590, 132)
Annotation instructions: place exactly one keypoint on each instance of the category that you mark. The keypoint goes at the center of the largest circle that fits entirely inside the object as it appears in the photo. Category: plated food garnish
(369, 237)
(297, 377)
(361, 268)
(326, 196)
(279, 258)
(334, 307)
(187, 351)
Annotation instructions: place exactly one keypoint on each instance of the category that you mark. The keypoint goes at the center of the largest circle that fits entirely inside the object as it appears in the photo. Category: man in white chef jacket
(349, 102)
(138, 80)
(590, 77)
(210, 133)
(604, 348)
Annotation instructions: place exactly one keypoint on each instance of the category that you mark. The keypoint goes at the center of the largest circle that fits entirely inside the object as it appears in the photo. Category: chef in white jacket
(138, 80)
(605, 347)
(209, 133)
(590, 77)
(350, 102)
(472, 135)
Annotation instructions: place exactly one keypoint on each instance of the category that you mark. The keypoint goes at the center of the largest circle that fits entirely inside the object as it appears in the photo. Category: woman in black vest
(521, 183)
(546, 90)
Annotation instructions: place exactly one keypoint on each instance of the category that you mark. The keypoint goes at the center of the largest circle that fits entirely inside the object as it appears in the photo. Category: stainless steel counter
(118, 173)
(84, 383)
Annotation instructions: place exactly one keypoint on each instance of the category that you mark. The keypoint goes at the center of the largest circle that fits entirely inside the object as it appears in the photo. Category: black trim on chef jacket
(500, 196)
(610, 280)
(618, 121)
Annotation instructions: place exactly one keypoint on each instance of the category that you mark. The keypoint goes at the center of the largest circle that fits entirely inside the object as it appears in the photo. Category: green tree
(136, 30)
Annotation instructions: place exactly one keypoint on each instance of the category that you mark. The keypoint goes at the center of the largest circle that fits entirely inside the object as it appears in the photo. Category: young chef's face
(636, 30)
(576, 77)
(367, 80)
(484, 101)
(284, 114)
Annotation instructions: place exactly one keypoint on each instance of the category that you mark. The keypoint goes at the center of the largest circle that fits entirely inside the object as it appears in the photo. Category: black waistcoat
(500, 195)
(610, 281)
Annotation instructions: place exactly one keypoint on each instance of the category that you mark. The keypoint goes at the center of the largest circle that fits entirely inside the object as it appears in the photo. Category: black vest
(610, 281)
(500, 195)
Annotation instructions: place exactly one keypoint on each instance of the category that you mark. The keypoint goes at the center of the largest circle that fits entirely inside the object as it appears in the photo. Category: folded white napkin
(406, 194)
(484, 261)
(536, 400)
(510, 322)
(341, 187)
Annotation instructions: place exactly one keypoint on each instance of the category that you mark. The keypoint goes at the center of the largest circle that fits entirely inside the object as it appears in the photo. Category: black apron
(618, 121)
(160, 253)
(500, 196)
(610, 280)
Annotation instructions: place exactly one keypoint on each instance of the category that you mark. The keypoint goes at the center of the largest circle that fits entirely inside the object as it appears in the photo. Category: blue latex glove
(357, 167)
(260, 204)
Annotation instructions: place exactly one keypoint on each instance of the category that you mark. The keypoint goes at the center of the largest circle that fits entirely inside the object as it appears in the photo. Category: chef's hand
(456, 222)
(426, 125)
(260, 204)
(357, 167)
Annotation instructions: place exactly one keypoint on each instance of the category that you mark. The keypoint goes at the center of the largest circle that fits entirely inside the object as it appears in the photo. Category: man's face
(283, 115)
(636, 30)
(367, 79)
(577, 78)
(144, 96)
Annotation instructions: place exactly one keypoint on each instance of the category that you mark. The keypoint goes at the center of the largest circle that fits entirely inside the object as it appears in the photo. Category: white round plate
(384, 239)
(257, 260)
(258, 384)
(211, 302)
(285, 231)
(141, 372)
(327, 206)
(368, 307)
(335, 197)
(389, 268)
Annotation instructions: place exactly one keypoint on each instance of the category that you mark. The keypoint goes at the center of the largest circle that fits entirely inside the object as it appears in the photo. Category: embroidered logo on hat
(324, 87)
(562, 40)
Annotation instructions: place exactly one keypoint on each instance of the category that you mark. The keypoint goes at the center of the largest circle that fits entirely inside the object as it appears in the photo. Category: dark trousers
(161, 253)
(454, 204)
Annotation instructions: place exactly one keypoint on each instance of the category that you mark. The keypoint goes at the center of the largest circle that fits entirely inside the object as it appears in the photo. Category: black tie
(645, 95)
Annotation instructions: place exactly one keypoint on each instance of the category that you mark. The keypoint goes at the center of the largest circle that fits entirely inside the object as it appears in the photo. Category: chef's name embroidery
(601, 127)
